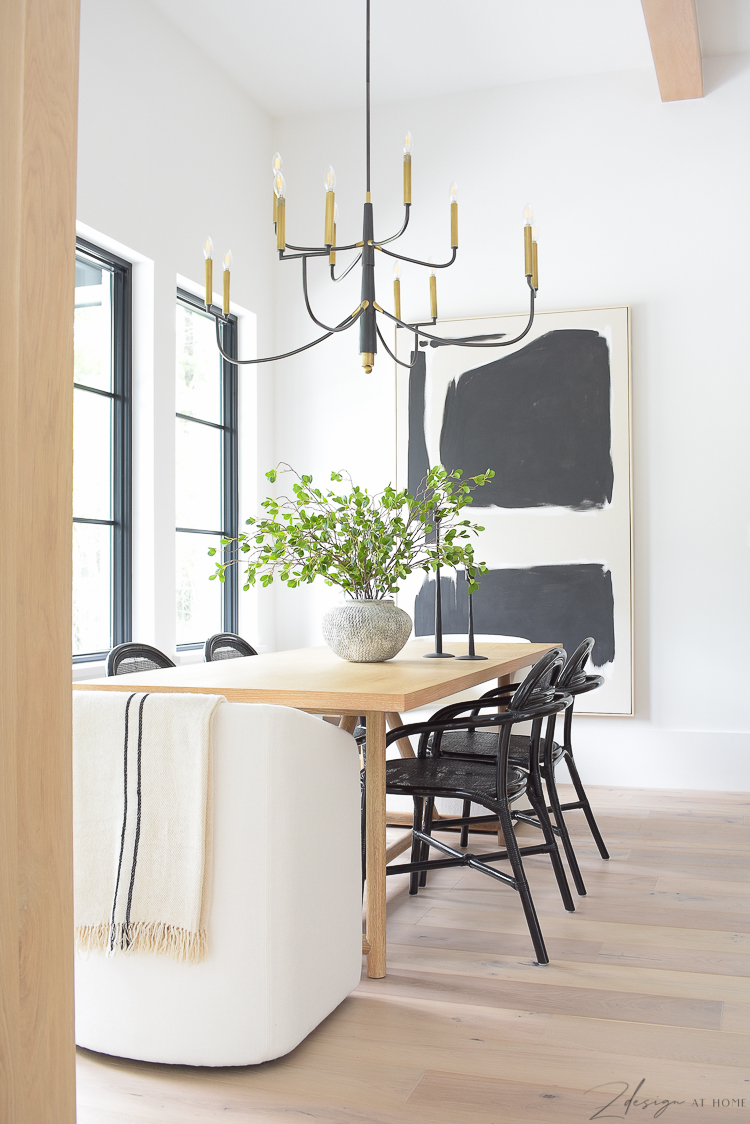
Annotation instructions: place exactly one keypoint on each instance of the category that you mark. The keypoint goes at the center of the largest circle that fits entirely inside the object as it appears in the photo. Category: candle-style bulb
(227, 268)
(454, 215)
(433, 291)
(279, 186)
(208, 254)
(528, 223)
(534, 257)
(277, 163)
(330, 204)
(397, 290)
(407, 169)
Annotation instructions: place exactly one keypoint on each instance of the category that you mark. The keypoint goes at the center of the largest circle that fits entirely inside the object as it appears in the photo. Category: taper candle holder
(438, 654)
(471, 655)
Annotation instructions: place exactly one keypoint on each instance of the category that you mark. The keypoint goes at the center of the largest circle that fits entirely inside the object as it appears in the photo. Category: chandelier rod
(367, 96)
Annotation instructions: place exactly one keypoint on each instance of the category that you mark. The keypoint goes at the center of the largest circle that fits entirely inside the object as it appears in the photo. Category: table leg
(348, 722)
(376, 917)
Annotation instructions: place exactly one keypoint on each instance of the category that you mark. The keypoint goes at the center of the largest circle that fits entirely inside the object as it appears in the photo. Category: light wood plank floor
(648, 982)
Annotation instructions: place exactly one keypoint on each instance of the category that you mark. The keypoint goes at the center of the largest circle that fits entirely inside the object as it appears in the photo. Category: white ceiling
(296, 56)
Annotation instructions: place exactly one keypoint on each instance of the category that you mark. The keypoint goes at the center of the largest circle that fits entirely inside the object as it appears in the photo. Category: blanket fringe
(142, 936)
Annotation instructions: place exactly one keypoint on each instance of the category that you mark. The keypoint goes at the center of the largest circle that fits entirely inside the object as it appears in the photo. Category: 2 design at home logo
(619, 1101)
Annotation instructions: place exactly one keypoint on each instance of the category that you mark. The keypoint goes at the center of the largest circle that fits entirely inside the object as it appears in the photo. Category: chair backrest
(127, 658)
(539, 686)
(573, 673)
(226, 646)
(573, 678)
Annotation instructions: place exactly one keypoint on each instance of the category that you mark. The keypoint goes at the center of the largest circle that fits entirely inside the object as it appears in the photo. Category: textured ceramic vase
(366, 631)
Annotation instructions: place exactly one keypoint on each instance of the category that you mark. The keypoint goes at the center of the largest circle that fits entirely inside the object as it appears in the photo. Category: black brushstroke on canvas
(539, 417)
(541, 603)
(418, 463)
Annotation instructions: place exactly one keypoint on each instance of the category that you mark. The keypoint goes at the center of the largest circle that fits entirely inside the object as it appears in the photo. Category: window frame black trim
(121, 395)
(229, 465)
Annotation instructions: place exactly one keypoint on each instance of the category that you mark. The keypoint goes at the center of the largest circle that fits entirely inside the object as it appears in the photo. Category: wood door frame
(38, 133)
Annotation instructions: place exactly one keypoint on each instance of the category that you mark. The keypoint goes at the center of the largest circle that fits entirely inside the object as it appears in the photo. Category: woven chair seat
(483, 743)
(451, 777)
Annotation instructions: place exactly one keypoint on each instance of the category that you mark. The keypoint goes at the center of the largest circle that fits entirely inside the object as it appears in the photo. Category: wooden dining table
(317, 681)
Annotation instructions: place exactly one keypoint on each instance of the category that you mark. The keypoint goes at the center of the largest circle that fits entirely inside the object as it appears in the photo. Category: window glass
(198, 366)
(92, 455)
(205, 473)
(101, 453)
(92, 601)
(93, 326)
(198, 599)
(198, 476)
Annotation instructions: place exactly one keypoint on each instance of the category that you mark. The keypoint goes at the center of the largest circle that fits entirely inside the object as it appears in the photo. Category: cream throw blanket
(142, 821)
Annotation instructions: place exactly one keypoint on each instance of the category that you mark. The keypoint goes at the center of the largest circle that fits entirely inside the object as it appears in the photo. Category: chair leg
(416, 844)
(562, 827)
(584, 800)
(516, 863)
(363, 825)
(536, 800)
(464, 838)
(427, 829)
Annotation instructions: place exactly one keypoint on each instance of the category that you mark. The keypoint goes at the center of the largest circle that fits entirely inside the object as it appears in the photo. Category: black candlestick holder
(438, 654)
(471, 655)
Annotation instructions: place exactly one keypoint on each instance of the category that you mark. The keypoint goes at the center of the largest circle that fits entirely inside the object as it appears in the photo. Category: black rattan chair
(226, 646)
(495, 784)
(127, 658)
(470, 744)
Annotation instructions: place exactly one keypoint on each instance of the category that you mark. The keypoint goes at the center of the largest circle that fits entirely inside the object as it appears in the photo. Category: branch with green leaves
(364, 544)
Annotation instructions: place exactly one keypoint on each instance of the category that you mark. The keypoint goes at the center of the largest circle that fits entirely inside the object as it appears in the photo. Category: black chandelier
(367, 311)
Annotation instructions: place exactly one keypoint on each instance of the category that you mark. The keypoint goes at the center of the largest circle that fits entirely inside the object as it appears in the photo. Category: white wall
(170, 150)
(639, 203)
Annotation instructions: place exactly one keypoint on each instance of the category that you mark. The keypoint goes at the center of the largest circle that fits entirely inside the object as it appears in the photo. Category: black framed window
(102, 585)
(206, 476)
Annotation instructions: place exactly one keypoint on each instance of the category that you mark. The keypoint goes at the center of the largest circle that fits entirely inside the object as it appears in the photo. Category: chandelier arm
(393, 357)
(466, 341)
(347, 323)
(416, 261)
(393, 237)
(348, 269)
(283, 256)
(320, 251)
(286, 354)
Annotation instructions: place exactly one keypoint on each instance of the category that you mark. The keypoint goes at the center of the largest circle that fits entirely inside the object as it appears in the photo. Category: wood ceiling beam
(676, 47)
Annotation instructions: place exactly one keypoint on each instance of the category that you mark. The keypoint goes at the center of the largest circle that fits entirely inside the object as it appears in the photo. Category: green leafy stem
(364, 544)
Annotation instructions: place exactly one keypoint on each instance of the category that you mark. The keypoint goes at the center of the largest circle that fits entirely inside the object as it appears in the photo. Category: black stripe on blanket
(137, 820)
(113, 925)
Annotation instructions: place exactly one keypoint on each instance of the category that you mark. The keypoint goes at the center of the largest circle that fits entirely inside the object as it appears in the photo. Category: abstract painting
(551, 416)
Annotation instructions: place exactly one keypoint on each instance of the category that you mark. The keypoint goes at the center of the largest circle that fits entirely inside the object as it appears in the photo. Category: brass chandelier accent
(368, 310)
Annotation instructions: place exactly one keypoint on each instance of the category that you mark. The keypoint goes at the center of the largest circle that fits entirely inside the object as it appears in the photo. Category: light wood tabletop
(315, 680)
